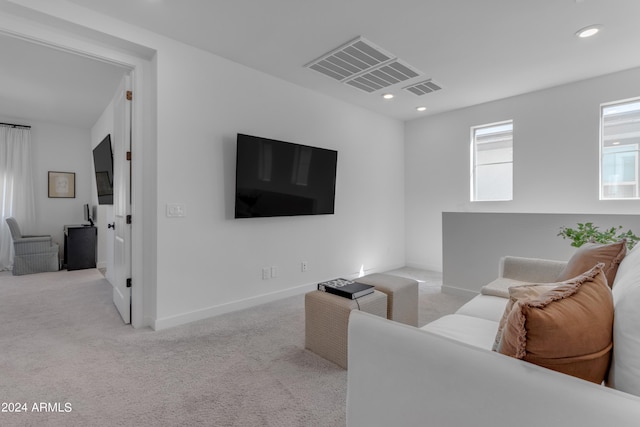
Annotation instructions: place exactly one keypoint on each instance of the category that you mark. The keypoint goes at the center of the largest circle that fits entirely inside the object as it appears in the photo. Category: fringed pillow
(517, 293)
(567, 329)
(590, 254)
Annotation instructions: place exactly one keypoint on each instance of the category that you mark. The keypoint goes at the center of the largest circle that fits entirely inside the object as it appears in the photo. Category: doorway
(60, 50)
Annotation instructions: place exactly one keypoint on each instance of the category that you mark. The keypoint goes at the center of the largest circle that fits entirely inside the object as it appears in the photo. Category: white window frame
(601, 147)
(472, 157)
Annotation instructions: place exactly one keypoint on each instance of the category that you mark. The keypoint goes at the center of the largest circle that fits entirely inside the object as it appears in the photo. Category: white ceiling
(39, 83)
(478, 50)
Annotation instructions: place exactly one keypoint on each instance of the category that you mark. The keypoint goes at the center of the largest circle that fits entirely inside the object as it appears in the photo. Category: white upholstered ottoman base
(327, 321)
(402, 294)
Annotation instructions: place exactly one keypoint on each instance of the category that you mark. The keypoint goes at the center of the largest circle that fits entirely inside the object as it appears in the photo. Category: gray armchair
(33, 254)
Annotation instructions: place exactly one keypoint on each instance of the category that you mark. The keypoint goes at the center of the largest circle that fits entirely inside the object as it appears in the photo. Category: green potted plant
(589, 233)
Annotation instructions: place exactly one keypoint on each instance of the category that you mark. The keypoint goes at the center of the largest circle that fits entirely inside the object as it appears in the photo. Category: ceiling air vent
(363, 65)
(383, 76)
(423, 88)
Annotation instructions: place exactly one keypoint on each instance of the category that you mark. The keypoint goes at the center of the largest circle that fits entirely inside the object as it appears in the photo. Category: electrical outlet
(176, 210)
(266, 273)
(304, 266)
(274, 272)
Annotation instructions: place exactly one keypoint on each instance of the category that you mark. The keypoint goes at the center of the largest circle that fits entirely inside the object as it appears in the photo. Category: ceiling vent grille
(363, 65)
(423, 88)
(383, 76)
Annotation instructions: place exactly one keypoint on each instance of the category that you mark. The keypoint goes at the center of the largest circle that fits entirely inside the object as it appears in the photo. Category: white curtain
(16, 187)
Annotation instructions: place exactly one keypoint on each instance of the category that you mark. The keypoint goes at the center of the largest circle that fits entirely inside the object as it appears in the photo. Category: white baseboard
(181, 319)
(355, 275)
(184, 318)
(451, 290)
(428, 267)
(147, 322)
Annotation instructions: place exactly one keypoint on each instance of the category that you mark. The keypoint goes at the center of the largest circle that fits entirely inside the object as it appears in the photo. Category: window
(492, 162)
(619, 141)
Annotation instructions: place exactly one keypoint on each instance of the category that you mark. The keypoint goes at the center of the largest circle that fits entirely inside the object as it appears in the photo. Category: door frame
(140, 63)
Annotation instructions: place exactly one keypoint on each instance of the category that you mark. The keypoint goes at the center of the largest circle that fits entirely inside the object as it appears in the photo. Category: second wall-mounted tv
(277, 178)
(103, 164)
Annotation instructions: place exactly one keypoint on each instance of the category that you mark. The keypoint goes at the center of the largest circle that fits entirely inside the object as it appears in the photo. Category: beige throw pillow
(567, 329)
(517, 293)
(590, 254)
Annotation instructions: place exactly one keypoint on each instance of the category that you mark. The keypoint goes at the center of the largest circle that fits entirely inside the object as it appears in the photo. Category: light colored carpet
(63, 344)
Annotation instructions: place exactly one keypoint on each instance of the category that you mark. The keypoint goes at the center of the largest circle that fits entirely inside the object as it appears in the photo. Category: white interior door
(122, 202)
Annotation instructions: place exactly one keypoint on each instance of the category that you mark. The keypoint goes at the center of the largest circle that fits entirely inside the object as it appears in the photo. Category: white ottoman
(327, 320)
(402, 294)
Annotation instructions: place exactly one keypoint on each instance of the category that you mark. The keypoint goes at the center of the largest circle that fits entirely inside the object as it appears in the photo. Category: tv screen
(103, 163)
(277, 178)
(87, 214)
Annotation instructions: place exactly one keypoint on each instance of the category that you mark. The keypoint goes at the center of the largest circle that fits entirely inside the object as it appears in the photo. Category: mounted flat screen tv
(277, 178)
(103, 164)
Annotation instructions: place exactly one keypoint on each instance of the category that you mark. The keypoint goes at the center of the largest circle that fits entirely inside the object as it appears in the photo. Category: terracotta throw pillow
(567, 329)
(590, 254)
(517, 293)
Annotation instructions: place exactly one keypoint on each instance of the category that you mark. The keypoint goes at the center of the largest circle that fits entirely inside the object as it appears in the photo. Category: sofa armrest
(33, 239)
(535, 270)
(400, 375)
(31, 245)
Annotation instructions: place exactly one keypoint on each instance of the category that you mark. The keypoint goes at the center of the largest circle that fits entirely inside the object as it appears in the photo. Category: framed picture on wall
(62, 185)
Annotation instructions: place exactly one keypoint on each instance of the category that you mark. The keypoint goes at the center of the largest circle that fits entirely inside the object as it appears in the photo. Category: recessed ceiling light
(589, 31)
(421, 108)
(387, 96)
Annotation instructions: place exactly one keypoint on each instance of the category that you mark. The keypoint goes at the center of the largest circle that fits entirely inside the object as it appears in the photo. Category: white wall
(477, 241)
(556, 137)
(63, 149)
(209, 262)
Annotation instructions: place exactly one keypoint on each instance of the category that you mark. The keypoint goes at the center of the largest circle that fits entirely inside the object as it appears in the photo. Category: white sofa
(445, 374)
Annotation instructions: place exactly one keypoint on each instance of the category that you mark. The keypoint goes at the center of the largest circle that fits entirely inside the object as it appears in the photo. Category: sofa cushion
(484, 306)
(590, 254)
(567, 329)
(624, 374)
(518, 293)
(500, 287)
(531, 270)
(471, 330)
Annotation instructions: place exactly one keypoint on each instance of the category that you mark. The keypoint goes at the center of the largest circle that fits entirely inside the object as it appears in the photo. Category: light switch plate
(176, 210)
